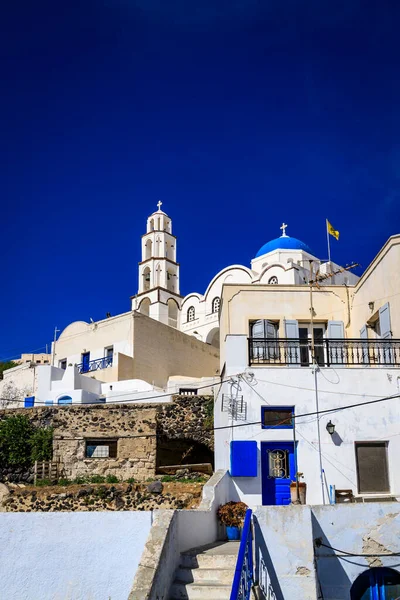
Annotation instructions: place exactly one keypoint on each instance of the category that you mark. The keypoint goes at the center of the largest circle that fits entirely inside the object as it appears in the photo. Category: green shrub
(42, 444)
(209, 420)
(112, 479)
(97, 479)
(79, 480)
(15, 435)
(131, 480)
(43, 482)
(64, 482)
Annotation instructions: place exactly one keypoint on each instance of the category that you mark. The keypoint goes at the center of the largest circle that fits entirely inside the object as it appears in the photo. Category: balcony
(95, 365)
(328, 352)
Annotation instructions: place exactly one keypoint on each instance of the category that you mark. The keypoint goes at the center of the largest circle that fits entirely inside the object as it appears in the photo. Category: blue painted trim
(243, 577)
(271, 408)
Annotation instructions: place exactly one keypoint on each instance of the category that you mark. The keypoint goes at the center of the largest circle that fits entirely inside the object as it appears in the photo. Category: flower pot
(302, 492)
(233, 533)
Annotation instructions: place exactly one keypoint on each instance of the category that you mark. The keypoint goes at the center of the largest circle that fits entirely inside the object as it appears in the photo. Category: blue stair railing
(243, 578)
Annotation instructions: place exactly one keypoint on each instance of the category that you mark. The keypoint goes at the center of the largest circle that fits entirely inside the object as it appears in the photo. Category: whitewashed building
(284, 260)
(270, 417)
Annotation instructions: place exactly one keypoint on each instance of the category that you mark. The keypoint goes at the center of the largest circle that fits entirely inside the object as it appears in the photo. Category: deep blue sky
(236, 114)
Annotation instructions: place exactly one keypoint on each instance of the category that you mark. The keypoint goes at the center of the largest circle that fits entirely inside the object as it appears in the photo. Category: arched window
(148, 249)
(273, 280)
(64, 400)
(191, 314)
(146, 279)
(216, 303)
(144, 306)
(172, 313)
(376, 584)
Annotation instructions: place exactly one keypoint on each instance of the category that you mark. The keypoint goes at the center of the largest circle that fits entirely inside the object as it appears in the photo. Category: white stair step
(190, 575)
(199, 591)
(208, 561)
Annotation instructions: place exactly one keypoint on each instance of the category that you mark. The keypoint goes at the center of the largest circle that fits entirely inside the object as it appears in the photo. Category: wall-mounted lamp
(330, 427)
(371, 306)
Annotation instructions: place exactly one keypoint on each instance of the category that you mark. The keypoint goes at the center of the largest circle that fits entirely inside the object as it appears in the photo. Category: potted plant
(298, 490)
(232, 516)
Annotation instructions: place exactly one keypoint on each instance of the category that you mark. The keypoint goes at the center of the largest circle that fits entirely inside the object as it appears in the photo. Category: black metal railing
(95, 365)
(327, 352)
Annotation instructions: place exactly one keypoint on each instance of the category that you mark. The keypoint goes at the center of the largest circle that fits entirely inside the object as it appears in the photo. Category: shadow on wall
(332, 579)
(265, 575)
(182, 452)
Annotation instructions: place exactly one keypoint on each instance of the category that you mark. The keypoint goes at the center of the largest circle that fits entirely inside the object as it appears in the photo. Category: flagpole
(327, 239)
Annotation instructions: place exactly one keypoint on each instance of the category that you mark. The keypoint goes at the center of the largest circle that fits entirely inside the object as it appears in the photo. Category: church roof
(285, 242)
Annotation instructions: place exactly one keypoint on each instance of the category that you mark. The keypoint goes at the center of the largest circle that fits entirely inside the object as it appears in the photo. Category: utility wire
(318, 544)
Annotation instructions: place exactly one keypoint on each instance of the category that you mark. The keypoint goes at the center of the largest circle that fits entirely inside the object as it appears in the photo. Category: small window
(38, 362)
(273, 280)
(372, 467)
(216, 303)
(191, 314)
(108, 352)
(101, 448)
(187, 392)
(277, 417)
(63, 363)
(45, 361)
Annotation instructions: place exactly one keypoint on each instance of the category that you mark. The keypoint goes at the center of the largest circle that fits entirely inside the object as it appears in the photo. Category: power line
(319, 543)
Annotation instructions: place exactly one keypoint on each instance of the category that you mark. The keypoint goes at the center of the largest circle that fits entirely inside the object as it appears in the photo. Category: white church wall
(71, 555)
(290, 386)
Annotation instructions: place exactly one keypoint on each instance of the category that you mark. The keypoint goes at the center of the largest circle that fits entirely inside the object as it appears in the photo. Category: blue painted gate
(277, 472)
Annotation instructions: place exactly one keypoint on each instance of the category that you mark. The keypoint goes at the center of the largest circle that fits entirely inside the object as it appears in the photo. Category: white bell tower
(158, 295)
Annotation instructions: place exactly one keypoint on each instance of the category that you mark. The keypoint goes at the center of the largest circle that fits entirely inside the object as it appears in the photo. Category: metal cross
(283, 227)
(159, 203)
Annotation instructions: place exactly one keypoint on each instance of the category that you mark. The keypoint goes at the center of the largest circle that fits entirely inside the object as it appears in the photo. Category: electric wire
(318, 544)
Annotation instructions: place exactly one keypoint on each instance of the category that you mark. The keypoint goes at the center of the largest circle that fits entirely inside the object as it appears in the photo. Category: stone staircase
(206, 573)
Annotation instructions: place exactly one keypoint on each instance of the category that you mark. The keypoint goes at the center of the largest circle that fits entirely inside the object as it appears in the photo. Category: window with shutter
(372, 467)
(293, 346)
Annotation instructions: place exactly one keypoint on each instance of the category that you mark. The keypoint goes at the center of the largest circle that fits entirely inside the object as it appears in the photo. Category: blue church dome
(285, 242)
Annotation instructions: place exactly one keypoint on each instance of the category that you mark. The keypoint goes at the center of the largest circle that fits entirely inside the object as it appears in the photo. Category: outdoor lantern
(330, 427)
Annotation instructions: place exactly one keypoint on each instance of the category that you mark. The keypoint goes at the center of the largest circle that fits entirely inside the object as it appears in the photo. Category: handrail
(243, 577)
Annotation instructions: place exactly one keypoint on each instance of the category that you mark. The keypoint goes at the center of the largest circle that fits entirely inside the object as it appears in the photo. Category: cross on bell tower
(283, 227)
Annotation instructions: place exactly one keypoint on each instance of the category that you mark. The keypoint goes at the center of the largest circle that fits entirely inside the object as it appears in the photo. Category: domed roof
(285, 242)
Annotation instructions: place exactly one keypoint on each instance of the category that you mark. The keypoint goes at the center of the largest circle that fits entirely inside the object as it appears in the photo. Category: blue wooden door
(85, 362)
(277, 471)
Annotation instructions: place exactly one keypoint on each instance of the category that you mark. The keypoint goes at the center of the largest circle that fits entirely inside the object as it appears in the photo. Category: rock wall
(103, 497)
(137, 430)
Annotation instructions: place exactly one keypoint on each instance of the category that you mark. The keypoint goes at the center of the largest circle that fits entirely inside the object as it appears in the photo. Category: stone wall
(137, 429)
(102, 497)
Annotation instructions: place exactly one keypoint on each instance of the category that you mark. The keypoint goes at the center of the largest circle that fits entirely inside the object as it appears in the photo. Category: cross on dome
(159, 204)
(283, 227)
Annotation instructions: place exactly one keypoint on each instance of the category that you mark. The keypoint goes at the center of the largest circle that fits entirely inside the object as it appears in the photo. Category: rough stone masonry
(138, 430)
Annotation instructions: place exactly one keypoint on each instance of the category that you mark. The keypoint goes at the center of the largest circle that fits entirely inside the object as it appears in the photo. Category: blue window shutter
(335, 330)
(364, 333)
(29, 402)
(243, 458)
(293, 351)
(384, 321)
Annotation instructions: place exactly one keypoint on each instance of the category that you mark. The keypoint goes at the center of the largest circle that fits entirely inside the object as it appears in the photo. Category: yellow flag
(332, 231)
